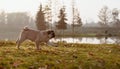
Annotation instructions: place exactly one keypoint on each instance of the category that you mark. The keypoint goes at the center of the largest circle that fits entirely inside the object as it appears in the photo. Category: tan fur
(35, 36)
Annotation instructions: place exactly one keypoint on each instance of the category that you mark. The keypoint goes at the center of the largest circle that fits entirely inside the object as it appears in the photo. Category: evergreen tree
(61, 23)
(40, 20)
(77, 19)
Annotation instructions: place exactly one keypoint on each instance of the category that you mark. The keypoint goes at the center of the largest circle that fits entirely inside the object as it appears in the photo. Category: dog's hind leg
(19, 41)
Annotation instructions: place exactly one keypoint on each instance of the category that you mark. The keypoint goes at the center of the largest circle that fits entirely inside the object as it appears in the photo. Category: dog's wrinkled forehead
(51, 32)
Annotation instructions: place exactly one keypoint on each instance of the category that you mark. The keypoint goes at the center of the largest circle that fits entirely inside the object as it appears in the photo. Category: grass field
(65, 56)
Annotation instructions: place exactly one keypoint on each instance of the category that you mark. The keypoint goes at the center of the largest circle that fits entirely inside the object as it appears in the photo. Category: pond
(89, 40)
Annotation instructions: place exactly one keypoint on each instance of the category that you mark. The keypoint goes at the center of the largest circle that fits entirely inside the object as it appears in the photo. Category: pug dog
(35, 36)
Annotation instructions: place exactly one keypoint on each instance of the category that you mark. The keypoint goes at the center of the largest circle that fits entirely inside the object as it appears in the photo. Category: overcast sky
(88, 8)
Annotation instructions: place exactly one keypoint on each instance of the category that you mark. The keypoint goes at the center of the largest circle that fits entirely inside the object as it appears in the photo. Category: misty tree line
(44, 16)
(15, 20)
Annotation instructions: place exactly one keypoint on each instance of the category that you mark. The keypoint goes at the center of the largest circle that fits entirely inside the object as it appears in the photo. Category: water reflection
(90, 40)
(117, 40)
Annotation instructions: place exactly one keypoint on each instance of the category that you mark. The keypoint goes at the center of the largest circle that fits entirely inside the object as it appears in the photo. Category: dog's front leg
(37, 42)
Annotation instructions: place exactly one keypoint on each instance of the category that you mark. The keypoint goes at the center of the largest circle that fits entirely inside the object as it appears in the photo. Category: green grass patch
(65, 56)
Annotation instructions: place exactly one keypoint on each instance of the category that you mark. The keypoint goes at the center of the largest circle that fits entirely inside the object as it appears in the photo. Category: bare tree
(40, 20)
(73, 9)
(104, 16)
(48, 13)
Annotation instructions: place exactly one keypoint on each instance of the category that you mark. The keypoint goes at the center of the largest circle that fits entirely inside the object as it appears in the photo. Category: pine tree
(61, 23)
(40, 20)
(77, 19)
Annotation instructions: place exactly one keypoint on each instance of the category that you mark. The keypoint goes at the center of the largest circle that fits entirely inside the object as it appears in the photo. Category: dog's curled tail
(25, 28)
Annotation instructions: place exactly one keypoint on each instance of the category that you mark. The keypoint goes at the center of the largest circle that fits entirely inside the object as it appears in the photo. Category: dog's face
(51, 33)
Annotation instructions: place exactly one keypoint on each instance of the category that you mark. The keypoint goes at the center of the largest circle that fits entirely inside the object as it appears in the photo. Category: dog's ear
(51, 32)
(48, 32)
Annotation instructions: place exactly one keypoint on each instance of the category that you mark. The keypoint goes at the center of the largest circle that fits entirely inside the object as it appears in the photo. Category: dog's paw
(55, 45)
(38, 49)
